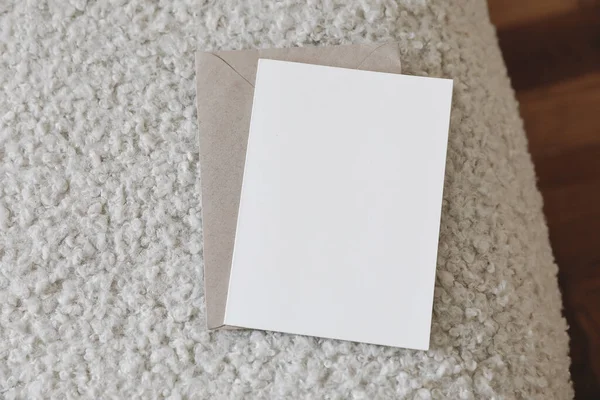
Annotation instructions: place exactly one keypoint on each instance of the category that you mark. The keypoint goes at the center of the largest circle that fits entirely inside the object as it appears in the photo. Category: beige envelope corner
(224, 91)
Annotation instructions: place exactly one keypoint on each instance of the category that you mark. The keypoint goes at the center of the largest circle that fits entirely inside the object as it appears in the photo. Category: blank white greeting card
(340, 205)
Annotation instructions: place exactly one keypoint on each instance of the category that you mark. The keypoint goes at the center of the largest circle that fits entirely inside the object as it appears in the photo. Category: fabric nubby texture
(100, 220)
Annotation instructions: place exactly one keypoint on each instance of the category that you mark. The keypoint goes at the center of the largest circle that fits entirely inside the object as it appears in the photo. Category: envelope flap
(373, 57)
(241, 61)
(384, 58)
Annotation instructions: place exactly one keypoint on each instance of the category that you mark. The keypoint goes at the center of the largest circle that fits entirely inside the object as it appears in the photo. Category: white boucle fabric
(100, 222)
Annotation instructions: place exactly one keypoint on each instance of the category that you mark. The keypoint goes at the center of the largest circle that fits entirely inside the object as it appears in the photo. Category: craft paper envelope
(225, 88)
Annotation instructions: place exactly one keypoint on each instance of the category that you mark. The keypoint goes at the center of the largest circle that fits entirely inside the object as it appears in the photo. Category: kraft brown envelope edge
(224, 93)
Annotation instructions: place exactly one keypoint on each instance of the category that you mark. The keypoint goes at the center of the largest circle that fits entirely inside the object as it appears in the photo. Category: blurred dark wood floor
(552, 51)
